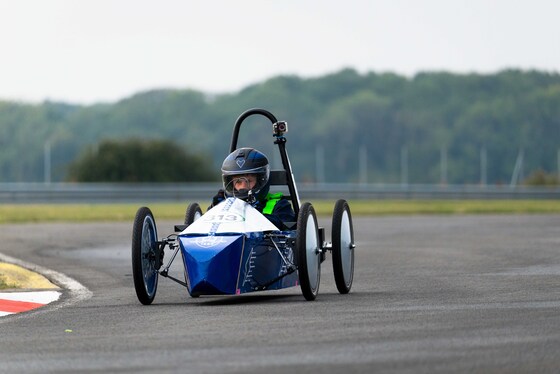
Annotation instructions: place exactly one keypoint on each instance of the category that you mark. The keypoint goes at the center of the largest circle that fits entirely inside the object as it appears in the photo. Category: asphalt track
(431, 294)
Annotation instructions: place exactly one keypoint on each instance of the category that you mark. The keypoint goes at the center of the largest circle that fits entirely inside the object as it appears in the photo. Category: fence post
(443, 165)
(483, 166)
(517, 170)
(47, 161)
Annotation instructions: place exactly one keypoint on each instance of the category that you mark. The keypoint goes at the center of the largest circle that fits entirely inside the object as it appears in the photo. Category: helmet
(246, 161)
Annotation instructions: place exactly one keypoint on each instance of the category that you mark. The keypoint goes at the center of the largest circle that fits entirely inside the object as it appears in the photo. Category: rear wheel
(308, 252)
(192, 213)
(144, 249)
(343, 246)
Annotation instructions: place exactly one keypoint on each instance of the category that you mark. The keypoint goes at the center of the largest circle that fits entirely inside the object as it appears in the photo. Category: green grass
(5, 285)
(35, 213)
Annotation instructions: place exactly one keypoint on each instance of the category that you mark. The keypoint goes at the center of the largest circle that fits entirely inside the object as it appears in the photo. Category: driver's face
(244, 182)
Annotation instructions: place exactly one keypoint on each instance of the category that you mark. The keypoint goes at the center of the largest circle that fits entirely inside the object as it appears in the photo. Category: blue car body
(234, 249)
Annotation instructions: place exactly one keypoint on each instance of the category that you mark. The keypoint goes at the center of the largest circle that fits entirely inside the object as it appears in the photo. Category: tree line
(343, 127)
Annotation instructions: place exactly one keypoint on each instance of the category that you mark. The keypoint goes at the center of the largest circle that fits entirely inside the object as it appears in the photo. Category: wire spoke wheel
(144, 244)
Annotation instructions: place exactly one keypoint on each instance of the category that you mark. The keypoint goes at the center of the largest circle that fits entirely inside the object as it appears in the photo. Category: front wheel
(343, 246)
(308, 252)
(144, 250)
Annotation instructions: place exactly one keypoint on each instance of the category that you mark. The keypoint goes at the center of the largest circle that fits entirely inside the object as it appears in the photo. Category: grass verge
(4, 284)
(37, 213)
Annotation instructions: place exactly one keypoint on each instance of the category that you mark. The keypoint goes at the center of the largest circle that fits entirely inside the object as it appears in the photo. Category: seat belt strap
(271, 201)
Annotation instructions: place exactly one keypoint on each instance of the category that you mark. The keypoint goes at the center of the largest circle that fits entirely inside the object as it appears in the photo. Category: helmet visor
(249, 182)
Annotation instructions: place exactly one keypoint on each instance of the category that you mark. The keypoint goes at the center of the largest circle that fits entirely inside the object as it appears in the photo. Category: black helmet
(246, 161)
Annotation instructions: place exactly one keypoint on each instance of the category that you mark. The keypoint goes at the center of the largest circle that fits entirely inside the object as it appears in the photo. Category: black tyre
(144, 244)
(192, 213)
(308, 252)
(343, 246)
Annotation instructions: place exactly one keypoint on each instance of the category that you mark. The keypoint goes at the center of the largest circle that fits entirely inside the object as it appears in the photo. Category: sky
(91, 51)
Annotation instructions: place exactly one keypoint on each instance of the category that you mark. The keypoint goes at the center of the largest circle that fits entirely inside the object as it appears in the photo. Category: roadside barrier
(169, 192)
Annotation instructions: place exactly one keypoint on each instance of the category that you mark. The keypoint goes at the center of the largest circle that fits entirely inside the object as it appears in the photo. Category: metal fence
(114, 193)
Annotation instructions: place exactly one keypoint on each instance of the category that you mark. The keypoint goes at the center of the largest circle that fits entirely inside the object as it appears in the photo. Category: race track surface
(431, 294)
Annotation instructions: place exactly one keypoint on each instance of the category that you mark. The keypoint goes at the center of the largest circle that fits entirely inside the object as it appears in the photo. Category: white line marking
(40, 297)
(77, 292)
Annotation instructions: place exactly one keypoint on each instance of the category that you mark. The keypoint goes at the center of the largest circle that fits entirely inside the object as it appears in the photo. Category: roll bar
(280, 140)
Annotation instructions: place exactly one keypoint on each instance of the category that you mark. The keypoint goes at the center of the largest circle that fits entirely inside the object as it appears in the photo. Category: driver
(245, 174)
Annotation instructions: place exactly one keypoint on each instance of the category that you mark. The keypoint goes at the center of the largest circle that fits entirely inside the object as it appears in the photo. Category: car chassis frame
(240, 261)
